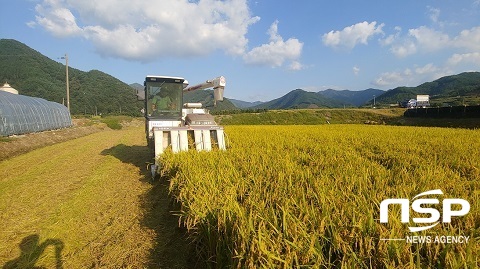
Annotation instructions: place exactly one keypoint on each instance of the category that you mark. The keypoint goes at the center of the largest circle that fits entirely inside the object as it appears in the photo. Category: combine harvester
(170, 123)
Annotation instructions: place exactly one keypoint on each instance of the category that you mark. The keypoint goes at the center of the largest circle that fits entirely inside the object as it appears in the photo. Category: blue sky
(263, 48)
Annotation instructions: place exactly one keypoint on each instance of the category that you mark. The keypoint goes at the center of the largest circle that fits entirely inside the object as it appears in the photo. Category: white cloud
(390, 39)
(434, 14)
(31, 24)
(405, 49)
(409, 77)
(276, 52)
(150, 29)
(432, 39)
(429, 39)
(296, 66)
(356, 70)
(457, 59)
(426, 39)
(468, 39)
(350, 36)
(392, 78)
(426, 69)
(56, 19)
(420, 39)
(273, 32)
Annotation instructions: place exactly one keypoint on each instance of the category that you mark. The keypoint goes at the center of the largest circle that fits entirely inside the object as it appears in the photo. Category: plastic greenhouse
(21, 114)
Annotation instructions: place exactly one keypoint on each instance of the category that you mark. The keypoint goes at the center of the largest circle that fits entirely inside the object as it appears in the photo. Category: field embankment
(87, 203)
(311, 117)
(393, 116)
(19, 144)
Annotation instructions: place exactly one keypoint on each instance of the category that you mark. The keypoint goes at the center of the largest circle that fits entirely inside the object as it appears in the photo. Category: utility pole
(68, 88)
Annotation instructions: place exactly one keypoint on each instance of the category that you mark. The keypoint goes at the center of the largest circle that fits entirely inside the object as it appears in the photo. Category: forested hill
(300, 99)
(356, 98)
(92, 92)
(463, 88)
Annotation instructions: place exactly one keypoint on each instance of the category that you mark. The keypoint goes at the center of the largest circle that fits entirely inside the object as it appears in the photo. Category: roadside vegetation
(384, 116)
(311, 117)
(114, 122)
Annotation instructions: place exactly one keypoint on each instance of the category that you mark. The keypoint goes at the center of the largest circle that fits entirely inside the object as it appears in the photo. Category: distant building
(421, 101)
(7, 88)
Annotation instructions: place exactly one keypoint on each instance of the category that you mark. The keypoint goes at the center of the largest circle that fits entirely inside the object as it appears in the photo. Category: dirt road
(88, 203)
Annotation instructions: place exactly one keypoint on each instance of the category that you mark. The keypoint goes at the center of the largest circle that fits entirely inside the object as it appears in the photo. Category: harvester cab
(171, 124)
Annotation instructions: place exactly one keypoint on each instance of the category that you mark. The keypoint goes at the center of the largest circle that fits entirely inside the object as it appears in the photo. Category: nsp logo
(421, 206)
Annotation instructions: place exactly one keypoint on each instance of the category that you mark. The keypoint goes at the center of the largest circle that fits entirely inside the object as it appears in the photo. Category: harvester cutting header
(171, 123)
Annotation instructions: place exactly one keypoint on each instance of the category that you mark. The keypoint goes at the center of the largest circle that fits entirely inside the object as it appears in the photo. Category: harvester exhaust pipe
(218, 94)
(218, 88)
(218, 85)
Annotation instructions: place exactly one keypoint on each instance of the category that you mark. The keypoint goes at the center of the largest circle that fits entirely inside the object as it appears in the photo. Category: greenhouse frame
(21, 114)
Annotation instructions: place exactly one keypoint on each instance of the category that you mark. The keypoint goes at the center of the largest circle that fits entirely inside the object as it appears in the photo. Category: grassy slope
(311, 116)
(16, 145)
(87, 203)
(392, 116)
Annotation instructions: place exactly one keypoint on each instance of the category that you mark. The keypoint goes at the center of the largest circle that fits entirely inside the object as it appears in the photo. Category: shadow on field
(31, 251)
(172, 248)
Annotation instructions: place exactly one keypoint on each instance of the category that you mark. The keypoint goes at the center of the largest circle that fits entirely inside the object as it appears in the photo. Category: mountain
(300, 99)
(137, 86)
(244, 104)
(92, 92)
(458, 89)
(356, 98)
(206, 98)
(465, 85)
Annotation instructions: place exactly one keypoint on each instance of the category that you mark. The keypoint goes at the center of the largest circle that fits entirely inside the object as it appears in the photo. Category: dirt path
(88, 203)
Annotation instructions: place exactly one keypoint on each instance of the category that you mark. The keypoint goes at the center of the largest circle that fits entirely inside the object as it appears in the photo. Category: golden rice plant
(309, 196)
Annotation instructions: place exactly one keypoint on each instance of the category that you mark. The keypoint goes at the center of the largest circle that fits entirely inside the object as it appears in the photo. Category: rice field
(309, 196)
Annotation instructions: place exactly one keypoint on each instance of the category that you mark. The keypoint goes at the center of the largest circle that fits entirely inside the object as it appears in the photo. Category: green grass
(5, 139)
(390, 116)
(312, 117)
(112, 122)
